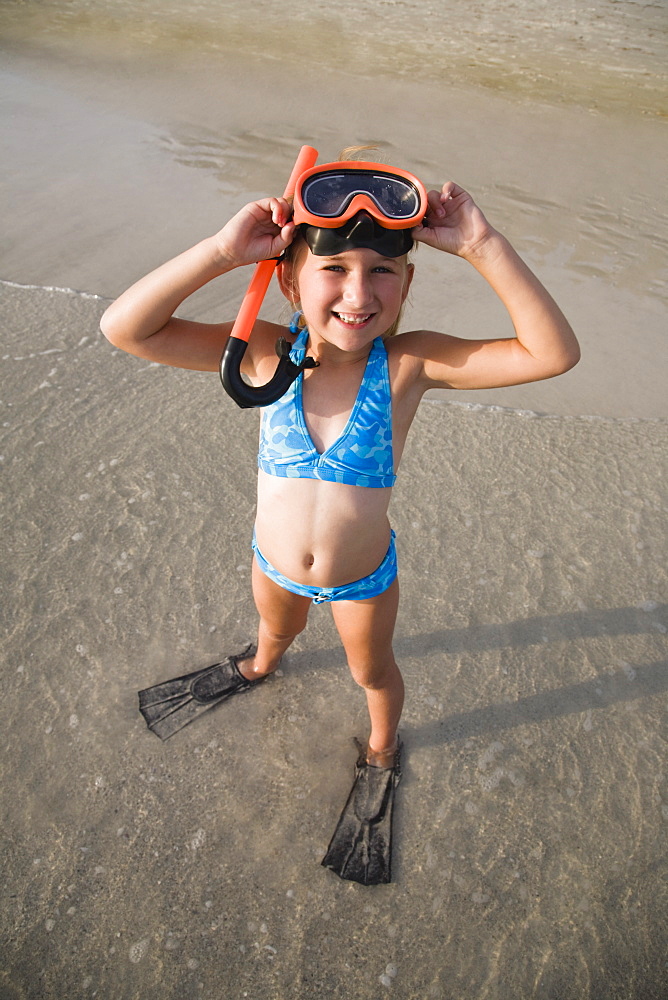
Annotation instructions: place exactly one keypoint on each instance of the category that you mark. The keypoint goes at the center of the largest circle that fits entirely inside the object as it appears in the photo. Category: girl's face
(351, 298)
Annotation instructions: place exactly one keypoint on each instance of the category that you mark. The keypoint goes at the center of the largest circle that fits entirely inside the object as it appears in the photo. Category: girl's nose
(357, 288)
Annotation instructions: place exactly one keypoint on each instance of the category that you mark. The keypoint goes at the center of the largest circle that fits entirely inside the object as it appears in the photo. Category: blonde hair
(352, 152)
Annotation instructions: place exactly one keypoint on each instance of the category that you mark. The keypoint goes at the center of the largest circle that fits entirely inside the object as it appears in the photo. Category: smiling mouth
(353, 319)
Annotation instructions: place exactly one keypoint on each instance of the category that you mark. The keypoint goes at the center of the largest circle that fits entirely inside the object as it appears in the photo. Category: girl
(331, 446)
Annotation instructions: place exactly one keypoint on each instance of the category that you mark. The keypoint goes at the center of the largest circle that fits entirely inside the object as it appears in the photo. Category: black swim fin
(361, 848)
(171, 705)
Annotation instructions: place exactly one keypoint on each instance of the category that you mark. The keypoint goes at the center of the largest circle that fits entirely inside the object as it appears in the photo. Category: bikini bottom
(369, 586)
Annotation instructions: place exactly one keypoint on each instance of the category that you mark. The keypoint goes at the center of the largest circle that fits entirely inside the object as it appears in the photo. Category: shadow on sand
(630, 683)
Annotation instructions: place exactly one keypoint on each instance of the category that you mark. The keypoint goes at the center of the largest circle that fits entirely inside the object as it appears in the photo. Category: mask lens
(395, 198)
(328, 195)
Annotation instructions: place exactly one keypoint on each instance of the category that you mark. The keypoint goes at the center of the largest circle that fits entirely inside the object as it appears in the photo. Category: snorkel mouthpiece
(360, 231)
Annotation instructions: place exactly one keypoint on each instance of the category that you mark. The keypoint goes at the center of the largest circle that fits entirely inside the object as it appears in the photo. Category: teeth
(352, 318)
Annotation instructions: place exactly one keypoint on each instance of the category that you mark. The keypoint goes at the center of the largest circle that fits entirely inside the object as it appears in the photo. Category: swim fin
(361, 848)
(171, 705)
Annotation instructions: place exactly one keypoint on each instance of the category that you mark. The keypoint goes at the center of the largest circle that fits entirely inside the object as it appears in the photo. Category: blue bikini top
(361, 456)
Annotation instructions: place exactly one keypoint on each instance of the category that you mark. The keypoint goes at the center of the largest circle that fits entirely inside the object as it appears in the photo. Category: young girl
(331, 446)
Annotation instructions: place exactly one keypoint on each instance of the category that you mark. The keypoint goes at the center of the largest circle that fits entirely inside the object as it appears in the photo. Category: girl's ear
(285, 272)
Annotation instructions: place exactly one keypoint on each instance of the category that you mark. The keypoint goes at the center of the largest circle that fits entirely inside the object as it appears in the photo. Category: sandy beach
(530, 839)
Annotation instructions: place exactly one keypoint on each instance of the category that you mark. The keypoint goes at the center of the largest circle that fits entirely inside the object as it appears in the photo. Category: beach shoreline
(99, 157)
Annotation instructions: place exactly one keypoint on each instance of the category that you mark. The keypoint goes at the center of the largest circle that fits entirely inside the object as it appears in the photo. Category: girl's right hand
(259, 231)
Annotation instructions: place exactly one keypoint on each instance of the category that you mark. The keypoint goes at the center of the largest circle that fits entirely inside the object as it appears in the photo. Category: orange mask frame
(377, 178)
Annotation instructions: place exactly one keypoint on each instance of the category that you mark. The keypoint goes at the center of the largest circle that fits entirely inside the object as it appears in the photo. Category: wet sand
(530, 837)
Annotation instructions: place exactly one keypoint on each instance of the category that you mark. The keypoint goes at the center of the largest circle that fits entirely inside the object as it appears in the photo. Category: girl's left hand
(453, 222)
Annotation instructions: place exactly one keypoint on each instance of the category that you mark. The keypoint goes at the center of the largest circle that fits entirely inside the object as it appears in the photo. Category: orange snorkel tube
(287, 371)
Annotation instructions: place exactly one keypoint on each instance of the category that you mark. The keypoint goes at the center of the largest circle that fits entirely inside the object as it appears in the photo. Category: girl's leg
(283, 616)
(366, 629)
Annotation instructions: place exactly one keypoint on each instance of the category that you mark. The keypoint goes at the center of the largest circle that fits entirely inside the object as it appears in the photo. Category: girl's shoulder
(416, 344)
(406, 355)
(413, 354)
(265, 332)
(261, 351)
(423, 345)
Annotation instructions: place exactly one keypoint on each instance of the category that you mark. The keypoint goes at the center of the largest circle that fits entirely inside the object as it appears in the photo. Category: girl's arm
(545, 344)
(142, 322)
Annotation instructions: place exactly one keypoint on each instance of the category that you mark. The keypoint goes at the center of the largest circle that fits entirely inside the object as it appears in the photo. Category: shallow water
(531, 823)
(532, 635)
(125, 160)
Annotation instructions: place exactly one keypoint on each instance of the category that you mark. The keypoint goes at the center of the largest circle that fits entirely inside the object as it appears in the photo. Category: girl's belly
(321, 534)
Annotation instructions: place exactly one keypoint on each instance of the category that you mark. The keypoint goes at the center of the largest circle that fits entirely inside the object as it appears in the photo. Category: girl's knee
(282, 632)
(374, 675)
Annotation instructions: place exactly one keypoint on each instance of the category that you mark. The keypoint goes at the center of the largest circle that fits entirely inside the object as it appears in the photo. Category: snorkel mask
(339, 206)
(353, 203)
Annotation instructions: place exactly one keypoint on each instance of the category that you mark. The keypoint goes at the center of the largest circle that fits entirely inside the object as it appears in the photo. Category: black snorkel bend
(245, 395)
